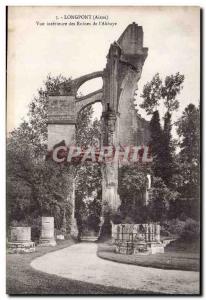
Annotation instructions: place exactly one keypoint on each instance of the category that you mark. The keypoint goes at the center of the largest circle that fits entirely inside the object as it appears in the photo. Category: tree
(89, 215)
(36, 186)
(42, 186)
(152, 93)
(160, 200)
(88, 174)
(131, 188)
(173, 85)
(156, 93)
(167, 162)
(88, 132)
(188, 129)
(156, 136)
(189, 133)
(37, 114)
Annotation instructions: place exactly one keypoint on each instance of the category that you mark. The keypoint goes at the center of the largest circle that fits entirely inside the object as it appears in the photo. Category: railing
(133, 232)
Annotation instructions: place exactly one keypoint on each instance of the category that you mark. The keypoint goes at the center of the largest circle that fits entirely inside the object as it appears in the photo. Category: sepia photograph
(103, 159)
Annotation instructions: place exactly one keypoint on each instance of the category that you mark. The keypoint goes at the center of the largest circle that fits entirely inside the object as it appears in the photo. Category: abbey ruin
(121, 124)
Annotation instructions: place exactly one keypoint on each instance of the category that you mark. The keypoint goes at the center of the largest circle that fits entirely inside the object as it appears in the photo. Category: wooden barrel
(20, 234)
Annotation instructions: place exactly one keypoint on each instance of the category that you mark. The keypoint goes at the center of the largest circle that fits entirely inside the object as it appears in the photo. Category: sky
(172, 35)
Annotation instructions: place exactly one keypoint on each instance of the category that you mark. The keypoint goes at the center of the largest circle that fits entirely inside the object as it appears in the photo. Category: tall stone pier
(121, 125)
(123, 70)
(47, 232)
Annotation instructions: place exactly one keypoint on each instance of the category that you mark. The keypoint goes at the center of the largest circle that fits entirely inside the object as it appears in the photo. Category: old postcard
(103, 150)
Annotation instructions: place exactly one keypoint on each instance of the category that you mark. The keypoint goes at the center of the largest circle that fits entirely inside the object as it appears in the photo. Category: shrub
(21, 223)
(174, 226)
(191, 230)
(187, 230)
(36, 229)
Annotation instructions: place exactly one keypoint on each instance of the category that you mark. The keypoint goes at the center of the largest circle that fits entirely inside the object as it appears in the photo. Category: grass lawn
(178, 256)
(22, 279)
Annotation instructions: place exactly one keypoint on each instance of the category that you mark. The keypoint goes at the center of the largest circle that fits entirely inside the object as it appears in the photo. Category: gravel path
(80, 262)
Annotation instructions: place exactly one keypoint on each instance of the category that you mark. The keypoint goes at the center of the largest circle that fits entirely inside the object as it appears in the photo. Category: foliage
(160, 199)
(37, 114)
(179, 172)
(152, 93)
(167, 161)
(90, 215)
(88, 174)
(188, 229)
(156, 91)
(131, 188)
(189, 156)
(156, 136)
(171, 88)
(36, 186)
(189, 131)
(173, 227)
(191, 230)
(187, 178)
(87, 131)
